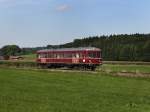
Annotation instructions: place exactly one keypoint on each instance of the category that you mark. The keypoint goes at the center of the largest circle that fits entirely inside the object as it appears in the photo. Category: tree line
(123, 47)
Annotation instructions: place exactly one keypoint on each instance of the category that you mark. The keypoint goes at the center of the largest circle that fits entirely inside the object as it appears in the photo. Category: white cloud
(63, 8)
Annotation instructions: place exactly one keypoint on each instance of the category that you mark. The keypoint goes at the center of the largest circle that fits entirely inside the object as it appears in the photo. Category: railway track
(97, 72)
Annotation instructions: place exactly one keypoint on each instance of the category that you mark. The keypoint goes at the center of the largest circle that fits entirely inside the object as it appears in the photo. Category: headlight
(84, 60)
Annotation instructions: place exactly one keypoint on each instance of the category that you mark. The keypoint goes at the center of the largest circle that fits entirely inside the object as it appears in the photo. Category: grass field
(29, 57)
(45, 91)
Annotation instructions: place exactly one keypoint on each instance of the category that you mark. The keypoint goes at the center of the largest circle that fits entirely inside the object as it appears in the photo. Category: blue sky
(30, 23)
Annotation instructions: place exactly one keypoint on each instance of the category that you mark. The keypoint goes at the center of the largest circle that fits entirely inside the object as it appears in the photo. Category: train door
(75, 57)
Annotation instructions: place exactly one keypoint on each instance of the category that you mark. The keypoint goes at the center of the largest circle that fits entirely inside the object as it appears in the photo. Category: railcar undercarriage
(69, 66)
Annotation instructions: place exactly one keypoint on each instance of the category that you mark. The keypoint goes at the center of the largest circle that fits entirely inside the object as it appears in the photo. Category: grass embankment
(126, 62)
(41, 91)
(109, 68)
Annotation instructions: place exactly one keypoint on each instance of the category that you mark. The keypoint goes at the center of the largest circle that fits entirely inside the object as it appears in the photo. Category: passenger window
(50, 55)
(98, 54)
(39, 55)
(73, 55)
(46, 55)
(80, 55)
(92, 55)
(58, 56)
(55, 55)
(77, 55)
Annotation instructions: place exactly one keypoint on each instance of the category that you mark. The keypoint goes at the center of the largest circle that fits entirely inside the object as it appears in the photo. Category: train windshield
(94, 54)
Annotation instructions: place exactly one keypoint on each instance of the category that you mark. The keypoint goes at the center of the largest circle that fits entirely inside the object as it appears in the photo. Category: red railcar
(87, 57)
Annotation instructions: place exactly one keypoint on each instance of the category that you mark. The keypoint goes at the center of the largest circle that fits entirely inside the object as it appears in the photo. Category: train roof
(71, 49)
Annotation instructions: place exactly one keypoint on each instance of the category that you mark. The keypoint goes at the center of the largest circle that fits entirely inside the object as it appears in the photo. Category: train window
(57, 56)
(98, 54)
(73, 55)
(68, 55)
(50, 55)
(65, 56)
(46, 55)
(92, 55)
(39, 55)
(61, 55)
(81, 55)
(77, 55)
(42, 56)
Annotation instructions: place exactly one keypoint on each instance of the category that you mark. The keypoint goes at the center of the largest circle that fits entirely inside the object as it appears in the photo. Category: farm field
(55, 91)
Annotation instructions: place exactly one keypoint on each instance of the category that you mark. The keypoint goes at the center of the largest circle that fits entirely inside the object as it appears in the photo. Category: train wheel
(84, 67)
(93, 68)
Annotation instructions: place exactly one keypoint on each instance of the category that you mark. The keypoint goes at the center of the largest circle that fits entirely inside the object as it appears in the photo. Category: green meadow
(57, 91)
